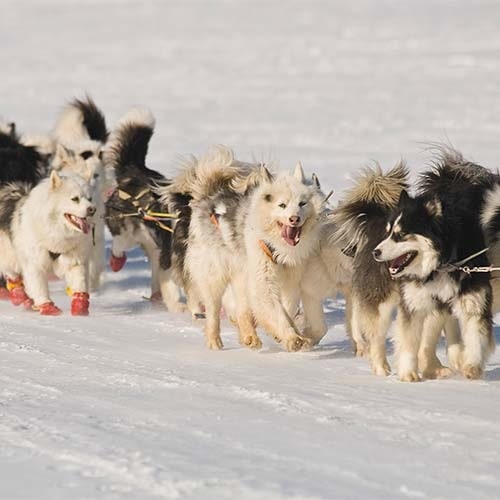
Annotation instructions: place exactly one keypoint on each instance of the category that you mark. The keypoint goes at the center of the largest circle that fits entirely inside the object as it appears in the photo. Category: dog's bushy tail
(129, 142)
(374, 195)
(450, 171)
(10, 195)
(81, 119)
(19, 162)
(217, 170)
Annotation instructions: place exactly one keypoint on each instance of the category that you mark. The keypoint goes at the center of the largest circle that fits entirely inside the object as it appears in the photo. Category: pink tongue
(289, 233)
(397, 262)
(82, 224)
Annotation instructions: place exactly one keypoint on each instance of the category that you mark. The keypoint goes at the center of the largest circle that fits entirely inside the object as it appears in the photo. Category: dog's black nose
(376, 253)
(294, 220)
(91, 211)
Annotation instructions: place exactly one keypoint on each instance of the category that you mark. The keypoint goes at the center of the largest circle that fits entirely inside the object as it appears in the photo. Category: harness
(268, 250)
(143, 212)
(459, 266)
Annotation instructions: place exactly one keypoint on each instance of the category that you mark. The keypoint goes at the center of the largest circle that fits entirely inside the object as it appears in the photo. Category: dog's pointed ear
(265, 175)
(55, 180)
(403, 197)
(298, 173)
(62, 156)
(434, 207)
(316, 181)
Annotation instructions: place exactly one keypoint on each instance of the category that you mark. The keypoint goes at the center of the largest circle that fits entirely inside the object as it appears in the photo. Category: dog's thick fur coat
(126, 153)
(44, 230)
(451, 218)
(80, 134)
(361, 220)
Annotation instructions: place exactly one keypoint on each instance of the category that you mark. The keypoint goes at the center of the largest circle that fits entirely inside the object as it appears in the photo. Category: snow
(128, 403)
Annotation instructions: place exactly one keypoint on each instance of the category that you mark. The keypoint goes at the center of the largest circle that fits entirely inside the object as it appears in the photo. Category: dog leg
(314, 319)
(377, 335)
(428, 362)
(97, 257)
(477, 331)
(453, 342)
(170, 292)
(37, 288)
(346, 291)
(244, 317)
(408, 333)
(213, 302)
(361, 347)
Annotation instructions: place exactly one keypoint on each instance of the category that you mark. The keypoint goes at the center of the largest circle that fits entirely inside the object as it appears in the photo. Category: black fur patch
(131, 147)
(19, 163)
(93, 119)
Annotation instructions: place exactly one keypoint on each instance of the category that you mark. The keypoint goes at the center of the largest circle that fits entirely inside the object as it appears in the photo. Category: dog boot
(28, 304)
(4, 293)
(116, 263)
(80, 304)
(48, 309)
(16, 290)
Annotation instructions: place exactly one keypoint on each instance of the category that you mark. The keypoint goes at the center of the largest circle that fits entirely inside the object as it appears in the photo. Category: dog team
(264, 246)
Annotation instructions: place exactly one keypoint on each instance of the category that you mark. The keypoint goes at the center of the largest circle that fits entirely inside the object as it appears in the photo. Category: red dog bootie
(4, 293)
(48, 309)
(80, 304)
(116, 263)
(17, 294)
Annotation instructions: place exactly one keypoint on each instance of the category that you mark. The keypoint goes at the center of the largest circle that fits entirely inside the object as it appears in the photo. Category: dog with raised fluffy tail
(134, 198)
(361, 221)
(427, 241)
(208, 249)
(45, 230)
(80, 135)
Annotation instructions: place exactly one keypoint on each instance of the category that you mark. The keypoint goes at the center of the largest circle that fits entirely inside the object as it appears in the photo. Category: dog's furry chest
(424, 296)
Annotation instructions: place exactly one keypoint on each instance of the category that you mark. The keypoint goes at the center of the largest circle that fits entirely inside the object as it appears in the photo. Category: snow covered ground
(128, 403)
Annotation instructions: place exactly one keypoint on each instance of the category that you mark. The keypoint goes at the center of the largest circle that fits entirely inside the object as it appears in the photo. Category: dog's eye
(100, 155)
(76, 199)
(302, 203)
(282, 205)
(96, 176)
(86, 155)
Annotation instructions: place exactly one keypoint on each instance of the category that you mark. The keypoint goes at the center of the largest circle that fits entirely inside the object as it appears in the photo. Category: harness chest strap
(268, 250)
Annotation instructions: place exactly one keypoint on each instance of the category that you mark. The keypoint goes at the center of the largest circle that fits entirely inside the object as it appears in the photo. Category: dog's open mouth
(400, 263)
(291, 234)
(79, 222)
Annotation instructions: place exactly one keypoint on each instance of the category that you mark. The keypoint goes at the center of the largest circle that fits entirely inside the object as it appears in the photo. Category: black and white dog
(128, 207)
(455, 215)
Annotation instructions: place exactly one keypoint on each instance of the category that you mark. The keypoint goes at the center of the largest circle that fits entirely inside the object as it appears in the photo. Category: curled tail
(452, 172)
(10, 195)
(81, 120)
(216, 171)
(372, 197)
(128, 144)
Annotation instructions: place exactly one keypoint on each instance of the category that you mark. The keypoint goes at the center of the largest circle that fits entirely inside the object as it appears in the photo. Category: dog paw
(472, 372)
(251, 341)
(360, 350)
(409, 377)
(215, 344)
(439, 372)
(294, 343)
(382, 370)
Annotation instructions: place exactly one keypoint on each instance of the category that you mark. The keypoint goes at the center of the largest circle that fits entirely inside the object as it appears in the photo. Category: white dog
(80, 134)
(43, 231)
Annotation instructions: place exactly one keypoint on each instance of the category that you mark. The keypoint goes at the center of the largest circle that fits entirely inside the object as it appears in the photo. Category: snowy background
(128, 403)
